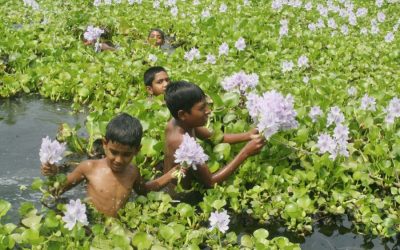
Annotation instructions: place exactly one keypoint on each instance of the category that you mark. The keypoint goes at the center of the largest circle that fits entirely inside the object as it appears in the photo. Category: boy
(187, 104)
(156, 37)
(110, 180)
(156, 80)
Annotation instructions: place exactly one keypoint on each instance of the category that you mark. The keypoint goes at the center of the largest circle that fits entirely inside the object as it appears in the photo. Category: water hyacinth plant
(240, 81)
(51, 151)
(189, 155)
(76, 212)
(220, 221)
(272, 112)
(326, 54)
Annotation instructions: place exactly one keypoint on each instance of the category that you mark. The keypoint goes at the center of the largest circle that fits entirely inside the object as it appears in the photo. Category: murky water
(24, 121)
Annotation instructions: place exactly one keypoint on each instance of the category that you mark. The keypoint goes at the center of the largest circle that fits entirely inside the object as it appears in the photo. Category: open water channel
(25, 120)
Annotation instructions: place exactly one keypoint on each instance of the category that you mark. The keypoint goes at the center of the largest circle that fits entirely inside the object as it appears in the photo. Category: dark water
(24, 121)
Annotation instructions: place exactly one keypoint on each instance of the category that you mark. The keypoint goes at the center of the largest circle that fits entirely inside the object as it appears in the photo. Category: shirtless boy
(187, 104)
(156, 80)
(110, 180)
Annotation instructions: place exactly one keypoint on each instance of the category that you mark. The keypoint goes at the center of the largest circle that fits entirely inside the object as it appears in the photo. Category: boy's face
(119, 156)
(155, 38)
(198, 115)
(159, 84)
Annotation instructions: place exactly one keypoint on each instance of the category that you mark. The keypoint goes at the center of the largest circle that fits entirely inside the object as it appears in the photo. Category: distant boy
(187, 104)
(156, 37)
(156, 80)
(110, 180)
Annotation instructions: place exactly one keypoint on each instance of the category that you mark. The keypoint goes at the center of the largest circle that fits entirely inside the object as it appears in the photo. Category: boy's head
(156, 80)
(187, 103)
(156, 37)
(122, 141)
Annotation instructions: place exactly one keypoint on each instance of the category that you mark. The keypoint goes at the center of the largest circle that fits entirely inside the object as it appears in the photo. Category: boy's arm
(142, 187)
(73, 178)
(252, 147)
(241, 137)
(203, 133)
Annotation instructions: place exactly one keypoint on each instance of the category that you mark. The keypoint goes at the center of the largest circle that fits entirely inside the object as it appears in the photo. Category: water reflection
(25, 121)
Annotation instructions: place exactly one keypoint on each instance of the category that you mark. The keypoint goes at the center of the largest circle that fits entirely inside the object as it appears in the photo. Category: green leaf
(4, 207)
(31, 236)
(37, 184)
(167, 233)
(222, 151)
(246, 241)
(185, 210)
(261, 234)
(142, 240)
(33, 221)
(218, 204)
(231, 99)
(148, 147)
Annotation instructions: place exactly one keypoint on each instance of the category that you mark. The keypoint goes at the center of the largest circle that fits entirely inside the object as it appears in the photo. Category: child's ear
(149, 90)
(181, 115)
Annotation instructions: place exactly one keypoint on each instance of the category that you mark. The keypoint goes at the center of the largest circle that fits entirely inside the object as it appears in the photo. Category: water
(24, 121)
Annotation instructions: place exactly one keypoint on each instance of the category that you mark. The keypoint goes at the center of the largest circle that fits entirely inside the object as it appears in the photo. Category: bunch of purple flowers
(76, 212)
(51, 151)
(392, 110)
(240, 81)
(93, 33)
(189, 154)
(272, 112)
(336, 145)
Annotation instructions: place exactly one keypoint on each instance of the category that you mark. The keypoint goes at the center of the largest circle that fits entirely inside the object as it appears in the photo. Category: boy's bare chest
(110, 186)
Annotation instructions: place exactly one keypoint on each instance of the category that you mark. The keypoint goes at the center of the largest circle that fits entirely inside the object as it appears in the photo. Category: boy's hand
(254, 146)
(48, 169)
(178, 168)
(253, 134)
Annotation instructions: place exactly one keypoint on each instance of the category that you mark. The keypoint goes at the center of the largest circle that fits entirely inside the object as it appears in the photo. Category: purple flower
(315, 112)
(92, 33)
(76, 212)
(352, 91)
(389, 37)
(337, 145)
(240, 81)
(392, 110)
(219, 221)
(51, 152)
(272, 112)
(287, 66)
(152, 58)
(190, 153)
(368, 103)
(240, 44)
(223, 8)
(326, 144)
(302, 61)
(210, 59)
(335, 116)
(192, 54)
(223, 49)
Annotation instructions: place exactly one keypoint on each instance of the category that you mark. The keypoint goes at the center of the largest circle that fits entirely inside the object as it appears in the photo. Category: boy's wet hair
(182, 95)
(124, 129)
(159, 31)
(150, 74)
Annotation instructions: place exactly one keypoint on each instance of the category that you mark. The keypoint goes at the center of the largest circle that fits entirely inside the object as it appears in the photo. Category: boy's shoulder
(88, 165)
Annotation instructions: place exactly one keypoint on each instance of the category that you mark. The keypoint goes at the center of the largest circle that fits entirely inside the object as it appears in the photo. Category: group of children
(155, 38)
(110, 180)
